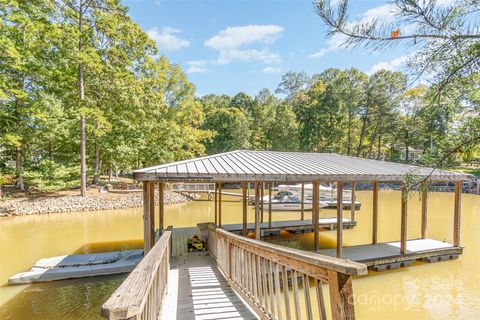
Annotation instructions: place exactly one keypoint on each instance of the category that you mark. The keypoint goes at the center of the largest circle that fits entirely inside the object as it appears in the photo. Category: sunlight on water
(444, 290)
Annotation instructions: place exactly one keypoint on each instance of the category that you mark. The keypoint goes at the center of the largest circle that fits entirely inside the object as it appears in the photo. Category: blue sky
(228, 46)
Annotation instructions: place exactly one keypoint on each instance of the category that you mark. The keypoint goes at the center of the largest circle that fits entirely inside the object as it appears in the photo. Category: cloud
(333, 44)
(235, 43)
(236, 37)
(197, 66)
(167, 40)
(264, 56)
(272, 70)
(392, 65)
(384, 12)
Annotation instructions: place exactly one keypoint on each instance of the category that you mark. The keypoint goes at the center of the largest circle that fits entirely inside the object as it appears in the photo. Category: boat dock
(272, 281)
(237, 278)
(293, 226)
(386, 255)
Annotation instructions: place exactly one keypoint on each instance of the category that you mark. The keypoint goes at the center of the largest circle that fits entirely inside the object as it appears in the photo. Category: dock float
(383, 256)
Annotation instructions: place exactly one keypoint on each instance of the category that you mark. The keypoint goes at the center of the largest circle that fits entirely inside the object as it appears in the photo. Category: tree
(231, 129)
(26, 37)
(444, 36)
(284, 132)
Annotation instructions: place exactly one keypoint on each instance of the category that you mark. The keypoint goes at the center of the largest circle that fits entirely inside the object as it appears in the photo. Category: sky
(231, 46)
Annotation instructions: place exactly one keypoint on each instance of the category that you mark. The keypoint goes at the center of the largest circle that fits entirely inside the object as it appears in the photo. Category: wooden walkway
(197, 290)
(387, 255)
(294, 226)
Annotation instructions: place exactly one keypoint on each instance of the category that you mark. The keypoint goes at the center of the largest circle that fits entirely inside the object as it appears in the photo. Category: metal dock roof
(246, 165)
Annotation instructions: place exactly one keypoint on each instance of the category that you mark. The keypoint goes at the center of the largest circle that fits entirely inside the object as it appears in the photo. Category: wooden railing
(141, 295)
(273, 278)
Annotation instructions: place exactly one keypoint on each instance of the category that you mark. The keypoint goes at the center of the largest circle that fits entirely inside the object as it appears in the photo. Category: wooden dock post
(457, 213)
(257, 210)
(244, 208)
(424, 208)
(148, 215)
(261, 201)
(302, 206)
(339, 218)
(220, 204)
(315, 215)
(161, 205)
(375, 213)
(341, 296)
(403, 232)
(352, 203)
(269, 204)
(216, 204)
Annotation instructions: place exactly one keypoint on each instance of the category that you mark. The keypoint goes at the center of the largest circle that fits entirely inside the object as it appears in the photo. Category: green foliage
(49, 176)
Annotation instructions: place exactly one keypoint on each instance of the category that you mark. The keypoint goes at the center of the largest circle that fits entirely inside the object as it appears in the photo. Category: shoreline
(74, 203)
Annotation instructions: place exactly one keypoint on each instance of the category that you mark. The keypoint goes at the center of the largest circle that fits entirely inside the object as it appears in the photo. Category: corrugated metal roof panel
(245, 165)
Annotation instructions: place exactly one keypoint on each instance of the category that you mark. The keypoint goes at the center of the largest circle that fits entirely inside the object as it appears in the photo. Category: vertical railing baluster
(298, 314)
(306, 292)
(320, 300)
(286, 292)
(271, 291)
(276, 268)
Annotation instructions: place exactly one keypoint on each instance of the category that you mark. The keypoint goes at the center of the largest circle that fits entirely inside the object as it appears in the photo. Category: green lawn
(474, 171)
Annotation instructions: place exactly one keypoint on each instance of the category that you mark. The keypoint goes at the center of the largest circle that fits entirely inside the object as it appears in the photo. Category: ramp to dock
(196, 288)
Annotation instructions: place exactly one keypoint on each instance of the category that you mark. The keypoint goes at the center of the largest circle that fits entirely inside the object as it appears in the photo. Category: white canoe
(79, 266)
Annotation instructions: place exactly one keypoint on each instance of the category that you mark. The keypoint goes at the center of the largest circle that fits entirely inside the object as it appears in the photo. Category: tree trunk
(362, 131)
(349, 144)
(379, 147)
(81, 89)
(406, 148)
(96, 176)
(109, 172)
(19, 166)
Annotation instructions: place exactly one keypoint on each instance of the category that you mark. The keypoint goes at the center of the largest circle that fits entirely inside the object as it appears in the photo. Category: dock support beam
(375, 213)
(315, 215)
(261, 201)
(216, 204)
(220, 204)
(339, 218)
(302, 206)
(424, 208)
(457, 213)
(269, 205)
(148, 215)
(352, 203)
(257, 210)
(403, 231)
(161, 206)
(244, 208)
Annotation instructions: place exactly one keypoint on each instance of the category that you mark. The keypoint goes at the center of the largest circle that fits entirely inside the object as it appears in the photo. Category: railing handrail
(318, 260)
(129, 300)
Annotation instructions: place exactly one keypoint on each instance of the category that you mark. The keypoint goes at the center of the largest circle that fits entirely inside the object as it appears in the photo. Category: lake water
(443, 290)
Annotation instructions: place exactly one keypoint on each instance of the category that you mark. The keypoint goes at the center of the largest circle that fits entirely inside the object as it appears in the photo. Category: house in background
(413, 154)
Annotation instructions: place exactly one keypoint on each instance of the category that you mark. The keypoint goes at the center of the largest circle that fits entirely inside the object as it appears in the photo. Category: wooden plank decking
(197, 290)
(389, 253)
(295, 226)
